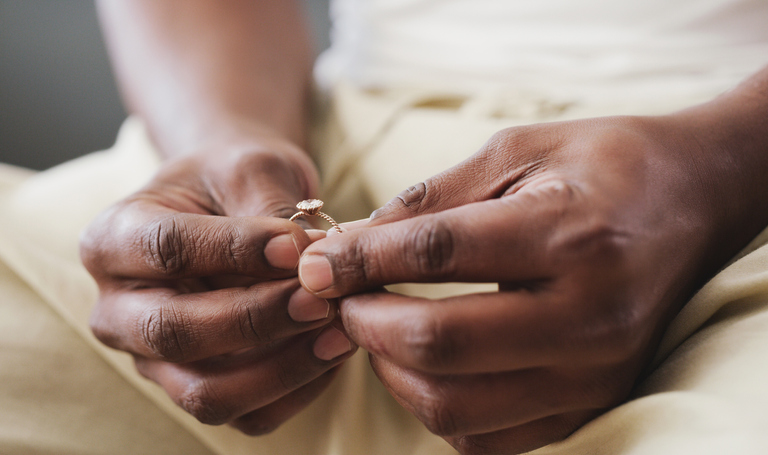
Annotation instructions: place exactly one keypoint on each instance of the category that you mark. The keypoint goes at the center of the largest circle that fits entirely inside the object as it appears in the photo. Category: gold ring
(311, 207)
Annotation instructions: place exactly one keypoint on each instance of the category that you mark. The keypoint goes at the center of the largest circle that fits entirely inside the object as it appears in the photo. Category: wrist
(206, 131)
(731, 137)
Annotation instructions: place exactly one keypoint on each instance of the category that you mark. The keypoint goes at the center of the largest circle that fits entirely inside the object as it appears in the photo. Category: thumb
(265, 184)
(503, 161)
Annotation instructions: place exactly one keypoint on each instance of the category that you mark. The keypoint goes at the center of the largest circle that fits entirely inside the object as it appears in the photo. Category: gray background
(57, 96)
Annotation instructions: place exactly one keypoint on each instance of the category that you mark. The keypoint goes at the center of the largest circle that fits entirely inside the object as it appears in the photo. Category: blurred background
(57, 96)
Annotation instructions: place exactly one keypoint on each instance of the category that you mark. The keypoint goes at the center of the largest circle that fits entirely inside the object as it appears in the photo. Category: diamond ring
(311, 207)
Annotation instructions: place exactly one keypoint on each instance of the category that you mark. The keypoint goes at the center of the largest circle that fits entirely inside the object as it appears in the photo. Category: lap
(705, 393)
(59, 397)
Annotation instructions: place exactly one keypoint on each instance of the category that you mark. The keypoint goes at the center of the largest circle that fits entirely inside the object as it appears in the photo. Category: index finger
(142, 242)
(511, 239)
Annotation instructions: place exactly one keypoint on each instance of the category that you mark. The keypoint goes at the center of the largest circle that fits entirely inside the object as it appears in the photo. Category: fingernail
(315, 272)
(331, 344)
(305, 307)
(282, 252)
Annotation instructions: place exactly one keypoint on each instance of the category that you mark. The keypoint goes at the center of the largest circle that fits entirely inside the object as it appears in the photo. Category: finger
(268, 182)
(524, 438)
(270, 417)
(139, 241)
(507, 158)
(219, 390)
(458, 405)
(528, 236)
(160, 323)
(490, 332)
(316, 234)
(349, 226)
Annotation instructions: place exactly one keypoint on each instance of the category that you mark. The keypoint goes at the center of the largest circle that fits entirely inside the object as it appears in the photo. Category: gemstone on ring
(310, 206)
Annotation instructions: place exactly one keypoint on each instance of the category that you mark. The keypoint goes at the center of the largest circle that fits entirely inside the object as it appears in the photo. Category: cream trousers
(62, 392)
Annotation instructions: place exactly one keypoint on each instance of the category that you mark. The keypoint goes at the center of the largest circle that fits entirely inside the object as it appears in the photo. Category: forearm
(202, 73)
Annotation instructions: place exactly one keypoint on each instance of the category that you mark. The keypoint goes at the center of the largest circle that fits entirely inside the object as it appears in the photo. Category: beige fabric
(59, 397)
(63, 392)
(632, 51)
(42, 217)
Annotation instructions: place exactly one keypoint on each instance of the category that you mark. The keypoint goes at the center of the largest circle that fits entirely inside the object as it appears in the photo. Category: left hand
(197, 279)
(596, 231)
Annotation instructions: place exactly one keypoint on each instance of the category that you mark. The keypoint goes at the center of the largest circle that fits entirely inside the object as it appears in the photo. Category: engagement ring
(311, 207)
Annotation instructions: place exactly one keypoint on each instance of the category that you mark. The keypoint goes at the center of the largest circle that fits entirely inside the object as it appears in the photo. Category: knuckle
(430, 344)
(164, 244)
(236, 248)
(90, 248)
(592, 238)
(99, 240)
(520, 439)
(141, 367)
(100, 327)
(409, 201)
(435, 413)
(200, 401)
(293, 376)
(166, 334)
(507, 141)
(414, 200)
(250, 318)
(478, 445)
(432, 245)
(256, 427)
(621, 333)
(558, 200)
(356, 265)
(498, 140)
(610, 329)
(602, 242)
(412, 197)
(559, 190)
(272, 167)
(276, 205)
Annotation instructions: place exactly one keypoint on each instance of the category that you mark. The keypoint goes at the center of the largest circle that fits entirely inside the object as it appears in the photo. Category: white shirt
(565, 50)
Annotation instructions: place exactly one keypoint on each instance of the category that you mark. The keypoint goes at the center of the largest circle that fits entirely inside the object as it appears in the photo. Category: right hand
(197, 279)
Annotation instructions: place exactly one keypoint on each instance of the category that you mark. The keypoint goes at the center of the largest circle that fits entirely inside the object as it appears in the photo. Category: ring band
(311, 207)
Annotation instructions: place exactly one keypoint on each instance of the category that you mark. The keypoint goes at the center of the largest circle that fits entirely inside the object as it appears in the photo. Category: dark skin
(597, 231)
(197, 271)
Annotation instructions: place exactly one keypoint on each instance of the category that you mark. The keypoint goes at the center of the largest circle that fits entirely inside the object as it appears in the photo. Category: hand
(596, 231)
(197, 279)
